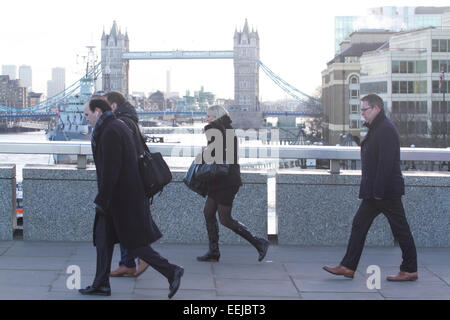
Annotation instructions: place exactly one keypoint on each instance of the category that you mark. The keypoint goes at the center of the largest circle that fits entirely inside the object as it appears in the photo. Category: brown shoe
(142, 266)
(123, 271)
(404, 276)
(340, 271)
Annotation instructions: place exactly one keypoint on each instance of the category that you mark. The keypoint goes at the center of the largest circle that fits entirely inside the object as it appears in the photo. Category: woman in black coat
(222, 190)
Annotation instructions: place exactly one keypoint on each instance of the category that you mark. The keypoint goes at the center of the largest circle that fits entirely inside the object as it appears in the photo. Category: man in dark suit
(122, 209)
(381, 189)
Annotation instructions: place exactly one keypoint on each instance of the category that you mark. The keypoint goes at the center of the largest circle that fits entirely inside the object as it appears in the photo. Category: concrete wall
(58, 203)
(316, 208)
(313, 207)
(179, 212)
(7, 201)
(58, 206)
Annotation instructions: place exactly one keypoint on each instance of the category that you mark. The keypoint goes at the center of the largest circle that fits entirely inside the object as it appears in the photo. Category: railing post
(335, 166)
(81, 161)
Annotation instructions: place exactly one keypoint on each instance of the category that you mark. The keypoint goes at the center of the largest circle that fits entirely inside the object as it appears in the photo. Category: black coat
(120, 190)
(234, 177)
(380, 161)
(127, 113)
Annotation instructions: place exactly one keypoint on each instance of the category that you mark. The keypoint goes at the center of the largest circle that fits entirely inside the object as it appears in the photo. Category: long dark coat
(380, 161)
(234, 177)
(120, 189)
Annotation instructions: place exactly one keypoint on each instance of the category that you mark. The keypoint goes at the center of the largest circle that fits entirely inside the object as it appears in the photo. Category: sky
(296, 38)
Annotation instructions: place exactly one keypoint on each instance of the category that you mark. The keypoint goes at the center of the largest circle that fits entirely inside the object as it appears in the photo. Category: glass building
(392, 18)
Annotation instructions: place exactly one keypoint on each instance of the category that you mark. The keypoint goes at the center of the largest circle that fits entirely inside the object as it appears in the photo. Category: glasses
(365, 109)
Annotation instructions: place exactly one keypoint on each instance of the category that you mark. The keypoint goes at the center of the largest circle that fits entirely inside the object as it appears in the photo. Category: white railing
(333, 153)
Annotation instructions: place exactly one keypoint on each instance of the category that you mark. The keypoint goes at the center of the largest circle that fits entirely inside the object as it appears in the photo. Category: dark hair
(99, 103)
(115, 97)
(374, 100)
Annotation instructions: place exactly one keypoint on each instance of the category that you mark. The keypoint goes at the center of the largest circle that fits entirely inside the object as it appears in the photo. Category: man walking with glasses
(381, 189)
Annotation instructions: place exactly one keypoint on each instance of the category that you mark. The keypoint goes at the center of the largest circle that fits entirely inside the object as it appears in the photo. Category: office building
(407, 73)
(391, 18)
(12, 94)
(25, 76)
(341, 85)
(10, 71)
(58, 82)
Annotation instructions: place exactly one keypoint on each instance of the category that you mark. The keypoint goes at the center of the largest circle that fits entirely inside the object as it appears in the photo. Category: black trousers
(395, 213)
(105, 250)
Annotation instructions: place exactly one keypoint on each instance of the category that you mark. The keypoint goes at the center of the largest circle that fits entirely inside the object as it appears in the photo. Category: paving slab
(182, 294)
(341, 296)
(257, 288)
(23, 292)
(442, 271)
(188, 281)
(37, 270)
(331, 283)
(415, 290)
(31, 263)
(262, 271)
(26, 277)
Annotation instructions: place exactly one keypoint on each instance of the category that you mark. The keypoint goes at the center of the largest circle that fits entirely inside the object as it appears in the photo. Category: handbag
(193, 183)
(154, 171)
(206, 172)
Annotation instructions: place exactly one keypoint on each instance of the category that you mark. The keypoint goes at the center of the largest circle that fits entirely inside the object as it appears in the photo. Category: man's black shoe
(101, 291)
(175, 284)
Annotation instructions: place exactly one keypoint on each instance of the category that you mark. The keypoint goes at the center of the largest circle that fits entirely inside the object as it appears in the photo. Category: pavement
(39, 271)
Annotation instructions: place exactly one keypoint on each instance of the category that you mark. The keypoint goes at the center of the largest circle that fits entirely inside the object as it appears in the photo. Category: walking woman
(223, 189)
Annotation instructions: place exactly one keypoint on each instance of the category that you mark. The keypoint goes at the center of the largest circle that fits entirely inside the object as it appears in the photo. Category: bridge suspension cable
(288, 88)
(54, 100)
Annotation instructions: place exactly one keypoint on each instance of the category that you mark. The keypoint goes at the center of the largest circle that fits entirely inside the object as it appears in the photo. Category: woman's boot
(259, 243)
(213, 253)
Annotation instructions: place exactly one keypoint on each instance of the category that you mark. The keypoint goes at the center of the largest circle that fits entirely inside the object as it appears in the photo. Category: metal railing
(333, 153)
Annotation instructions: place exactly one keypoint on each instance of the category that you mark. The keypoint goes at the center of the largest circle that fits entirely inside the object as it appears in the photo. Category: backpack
(154, 171)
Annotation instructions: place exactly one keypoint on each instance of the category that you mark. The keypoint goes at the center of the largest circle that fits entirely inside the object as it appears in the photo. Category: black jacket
(120, 190)
(380, 161)
(234, 177)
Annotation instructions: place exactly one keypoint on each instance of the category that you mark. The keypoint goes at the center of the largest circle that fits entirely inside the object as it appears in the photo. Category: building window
(435, 66)
(403, 67)
(435, 45)
(403, 86)
(354, 124)
(354, 80)
(436, 84)
(395, 87)
(409, 87)
(354, 109)
(354, 94)
(440, 45)
(419, 66)
(443, 45)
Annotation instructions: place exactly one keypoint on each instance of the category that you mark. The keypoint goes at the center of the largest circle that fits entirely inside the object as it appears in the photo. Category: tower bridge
(246, 112)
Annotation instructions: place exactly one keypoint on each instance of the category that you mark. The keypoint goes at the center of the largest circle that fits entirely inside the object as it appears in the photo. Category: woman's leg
(225, 219)
(212, 228)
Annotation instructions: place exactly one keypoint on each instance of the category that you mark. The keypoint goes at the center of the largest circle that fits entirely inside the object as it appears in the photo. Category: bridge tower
(114, 68)
(247, 111)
